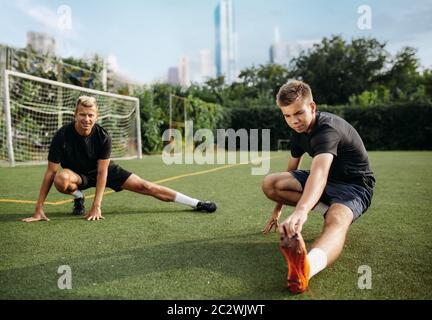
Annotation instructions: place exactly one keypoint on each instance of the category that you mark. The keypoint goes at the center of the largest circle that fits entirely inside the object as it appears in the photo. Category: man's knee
(268, 185)
(277, 181)
(136, 184)
(148, 188)
(61, 181)
(339, 216)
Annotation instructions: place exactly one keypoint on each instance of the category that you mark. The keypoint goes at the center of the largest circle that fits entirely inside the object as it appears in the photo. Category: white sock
(78, 194)
(317, 261)
(181, 198)
(321, 207)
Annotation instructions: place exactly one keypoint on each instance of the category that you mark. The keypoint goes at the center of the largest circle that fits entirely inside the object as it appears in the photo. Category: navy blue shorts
(355, 197)
(115, 179)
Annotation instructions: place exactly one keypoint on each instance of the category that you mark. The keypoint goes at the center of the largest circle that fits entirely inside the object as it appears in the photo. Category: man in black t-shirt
(339, 184)
(83, 149)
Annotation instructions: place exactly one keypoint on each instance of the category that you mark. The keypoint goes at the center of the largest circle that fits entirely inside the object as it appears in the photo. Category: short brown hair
(86, 101)
(292, 91)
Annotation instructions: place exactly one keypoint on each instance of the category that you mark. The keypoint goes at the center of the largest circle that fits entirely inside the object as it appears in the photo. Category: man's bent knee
(65, 181)
(61, 181)
(268, 186)
(281, 181)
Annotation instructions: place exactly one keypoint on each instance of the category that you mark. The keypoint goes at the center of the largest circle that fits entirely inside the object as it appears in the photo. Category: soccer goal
(283, 144)
(35, 108)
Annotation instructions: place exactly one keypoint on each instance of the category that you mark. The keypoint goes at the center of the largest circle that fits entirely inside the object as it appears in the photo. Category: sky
(143, 38)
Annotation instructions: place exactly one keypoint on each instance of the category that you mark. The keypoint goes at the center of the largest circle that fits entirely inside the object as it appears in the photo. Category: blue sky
(149, 36)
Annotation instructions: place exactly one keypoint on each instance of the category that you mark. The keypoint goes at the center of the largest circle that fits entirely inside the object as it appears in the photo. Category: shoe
(294, 251)
(78, 208)
(207, 206)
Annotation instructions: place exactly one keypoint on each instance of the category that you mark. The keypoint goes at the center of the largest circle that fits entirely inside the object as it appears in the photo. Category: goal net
(35, 108)
(283, 144)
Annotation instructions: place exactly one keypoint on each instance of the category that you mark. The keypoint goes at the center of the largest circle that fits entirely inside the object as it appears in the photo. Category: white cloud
(55, 23)
(44, 15)
(49, 18)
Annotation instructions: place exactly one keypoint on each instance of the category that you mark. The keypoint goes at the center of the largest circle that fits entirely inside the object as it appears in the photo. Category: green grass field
(147, 249)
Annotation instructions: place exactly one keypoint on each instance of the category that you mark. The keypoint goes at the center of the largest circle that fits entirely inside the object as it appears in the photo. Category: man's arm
(293, 164)
(43, 192)
(312, 192)
(102, 172)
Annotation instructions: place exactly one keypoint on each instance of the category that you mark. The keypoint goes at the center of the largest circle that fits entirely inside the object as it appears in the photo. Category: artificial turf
(147, 249)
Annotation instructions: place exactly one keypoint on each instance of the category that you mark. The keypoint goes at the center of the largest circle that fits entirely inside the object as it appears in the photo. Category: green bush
(396, 127)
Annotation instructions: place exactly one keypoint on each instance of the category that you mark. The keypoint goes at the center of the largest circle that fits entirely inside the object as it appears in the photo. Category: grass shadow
(241, 261)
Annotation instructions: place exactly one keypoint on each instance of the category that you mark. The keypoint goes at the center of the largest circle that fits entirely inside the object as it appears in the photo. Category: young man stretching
(340, 184)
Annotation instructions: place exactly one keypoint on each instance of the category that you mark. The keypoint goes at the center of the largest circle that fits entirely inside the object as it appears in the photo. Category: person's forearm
(278, 206)
(313, 190)
(100, 188)
(45, 188)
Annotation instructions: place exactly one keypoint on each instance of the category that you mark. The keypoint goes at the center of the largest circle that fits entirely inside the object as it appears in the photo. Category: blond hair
(86, 101)
(292, 91)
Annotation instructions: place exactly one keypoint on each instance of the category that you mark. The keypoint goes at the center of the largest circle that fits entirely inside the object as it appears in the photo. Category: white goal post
(35, 108)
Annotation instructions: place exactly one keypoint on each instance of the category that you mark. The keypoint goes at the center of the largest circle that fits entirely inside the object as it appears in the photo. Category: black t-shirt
(79, 153)
(332, 134)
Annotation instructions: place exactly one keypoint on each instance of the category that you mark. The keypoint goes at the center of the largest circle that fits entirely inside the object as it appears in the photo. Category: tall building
(226, 41)
(277, 49)
(184, 72)
(282, 52)
(206, 70)
(41, 42)
(173, 76)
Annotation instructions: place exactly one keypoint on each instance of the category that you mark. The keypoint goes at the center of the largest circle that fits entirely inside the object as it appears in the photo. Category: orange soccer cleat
(294, 251)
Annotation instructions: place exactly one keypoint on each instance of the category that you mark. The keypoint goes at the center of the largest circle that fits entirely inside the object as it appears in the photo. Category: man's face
(85, 118)
(300, 115)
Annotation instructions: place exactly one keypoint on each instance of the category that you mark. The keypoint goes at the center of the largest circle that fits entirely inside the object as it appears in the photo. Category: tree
(403, 78)
(426, 81)
(264, 80)
(336, 70)
(402, 82)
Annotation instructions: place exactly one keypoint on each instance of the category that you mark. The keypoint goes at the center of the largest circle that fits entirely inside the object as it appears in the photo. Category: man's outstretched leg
(136, 184)
(325, 250)
(67, 182)
(329, 244)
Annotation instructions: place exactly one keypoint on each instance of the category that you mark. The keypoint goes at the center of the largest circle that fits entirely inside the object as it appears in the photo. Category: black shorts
(116, 177)
(354, 196)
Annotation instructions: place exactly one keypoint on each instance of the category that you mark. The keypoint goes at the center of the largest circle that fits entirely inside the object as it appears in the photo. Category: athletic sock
(317, 261)
(321, 207)
(78, 194)
(181, 198)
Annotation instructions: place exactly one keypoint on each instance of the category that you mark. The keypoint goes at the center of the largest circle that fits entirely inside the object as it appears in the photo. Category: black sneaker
(206, 206)
(78, 209)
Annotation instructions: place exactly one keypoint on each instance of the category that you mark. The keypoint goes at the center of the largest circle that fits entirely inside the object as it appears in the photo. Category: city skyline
(145, 39)
(226, 41)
